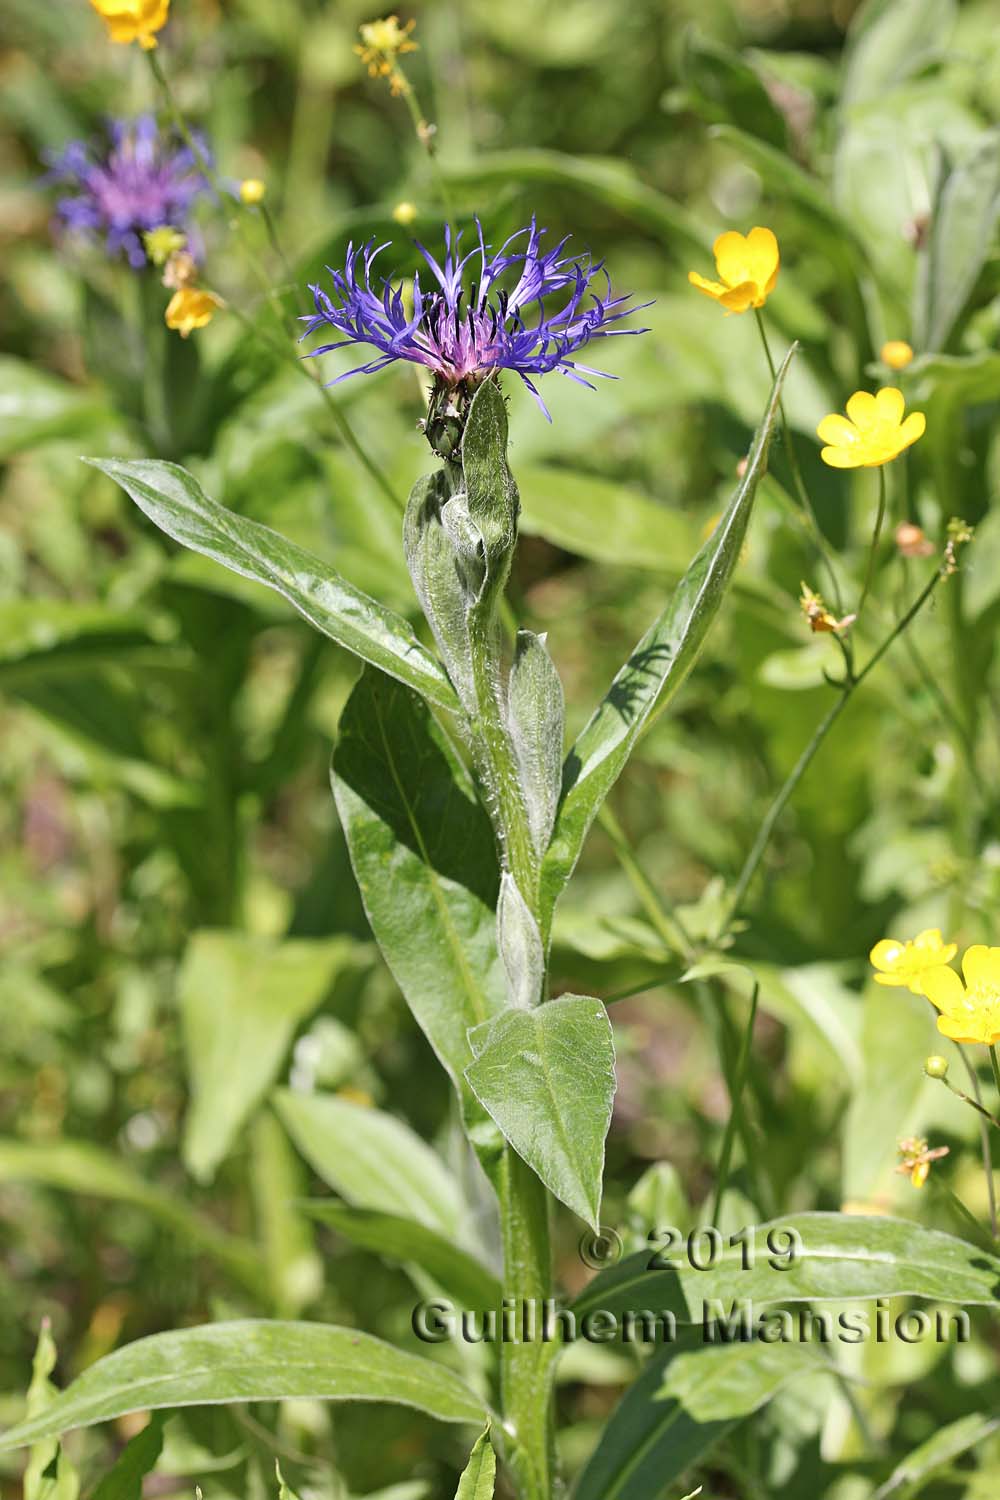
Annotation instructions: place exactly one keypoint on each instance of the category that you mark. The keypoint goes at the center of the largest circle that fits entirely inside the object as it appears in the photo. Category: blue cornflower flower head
(139, 182)
(523, 308)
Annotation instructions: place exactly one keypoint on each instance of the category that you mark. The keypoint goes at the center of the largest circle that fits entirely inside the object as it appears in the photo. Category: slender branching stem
(846, 689)
(876, 537)
(987, 1150)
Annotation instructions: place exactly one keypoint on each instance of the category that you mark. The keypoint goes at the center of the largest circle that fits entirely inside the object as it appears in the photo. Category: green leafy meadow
(524, 1118)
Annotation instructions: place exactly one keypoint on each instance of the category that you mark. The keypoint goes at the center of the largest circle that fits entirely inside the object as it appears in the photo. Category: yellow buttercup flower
(133, 20)
(381, 43)
(252, 191)
(897, 354)
(970, 1012)
(405, 212)
(747, 266)
(872, 433)
(904, 964)
(191, 307)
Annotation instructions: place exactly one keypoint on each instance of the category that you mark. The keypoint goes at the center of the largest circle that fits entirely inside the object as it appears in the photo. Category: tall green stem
(876, 535)
(526, 1368)
(737, 1085)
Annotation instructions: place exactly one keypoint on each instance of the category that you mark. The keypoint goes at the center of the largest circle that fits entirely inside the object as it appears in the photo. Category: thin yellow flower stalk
(133, 20)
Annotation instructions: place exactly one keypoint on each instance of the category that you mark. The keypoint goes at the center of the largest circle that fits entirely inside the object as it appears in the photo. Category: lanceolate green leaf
(123, 1481)
(175, 501)
(653, 672)
(547, 1077)
(241, 998)
(424, 856)
(372, 1159)
(479, 1477)
(250, 1360)
(937, 1453)
(679, 1408)
(838, 1257)
(404, 1241)
(960, 237)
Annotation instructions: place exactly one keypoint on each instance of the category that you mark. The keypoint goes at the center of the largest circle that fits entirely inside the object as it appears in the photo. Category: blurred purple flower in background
(141, 181)
(525, 309)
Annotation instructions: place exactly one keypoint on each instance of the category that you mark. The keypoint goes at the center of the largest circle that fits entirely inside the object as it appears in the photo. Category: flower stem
(425, 139)
(985, 1141)
(996, 1068)
(847, 688)
(800, 487)
(876, 535)
(736, 1087)
(667, 926)
(526, 1369)
(973, 1104)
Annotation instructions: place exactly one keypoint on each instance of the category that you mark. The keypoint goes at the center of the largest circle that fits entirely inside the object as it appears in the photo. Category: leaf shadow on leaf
(625, 694)
(426, 797)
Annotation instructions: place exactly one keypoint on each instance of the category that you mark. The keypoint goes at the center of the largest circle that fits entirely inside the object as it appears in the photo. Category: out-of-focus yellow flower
(897, 354)
(970, 1012)
(381, 43)
(904, 964)
(872, 433)
(133, 20)
(162, 243)
(916, 1159)
(404, 213)
(747, 266)
(191, 307)
(821, 621)
(252, 191)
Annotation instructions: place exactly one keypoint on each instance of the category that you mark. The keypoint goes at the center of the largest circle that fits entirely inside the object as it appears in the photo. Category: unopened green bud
(936, 1067)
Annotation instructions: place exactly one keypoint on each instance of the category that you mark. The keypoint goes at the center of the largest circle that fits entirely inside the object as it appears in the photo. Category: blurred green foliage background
(169, 843)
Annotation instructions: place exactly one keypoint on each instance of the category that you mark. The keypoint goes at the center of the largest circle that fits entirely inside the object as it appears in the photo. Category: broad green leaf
(241, 999)
(547, 1077)
(479, 1477)
(408, 1241)
(372, 1159)
(123, 1481)
(960, 238)
(571, 510)
(679, 1408)
(891, 40)
(36, 407)
(249, 1360)
(425, 860)
(937, 1453)
(174, 501)
(653, 673)
(77, 1167)
(839, 1257)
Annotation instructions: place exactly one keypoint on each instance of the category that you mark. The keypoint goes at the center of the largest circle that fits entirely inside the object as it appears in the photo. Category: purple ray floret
(139, 181)
(523, 308)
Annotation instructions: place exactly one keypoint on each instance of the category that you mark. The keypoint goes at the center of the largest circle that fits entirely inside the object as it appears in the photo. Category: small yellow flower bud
(252, 191)
(936, 1066)
(405, 212)
(897, 354)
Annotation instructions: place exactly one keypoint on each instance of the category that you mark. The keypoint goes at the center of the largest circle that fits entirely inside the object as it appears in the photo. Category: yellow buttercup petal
(890, 405)
(733, 258)
(887, 952)
(981, 967)
(943, 988)
(843, 458)
(762, 247)
(862, 410)
(838, 430)
(914, 427)
(711, 288)
(739, 298)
